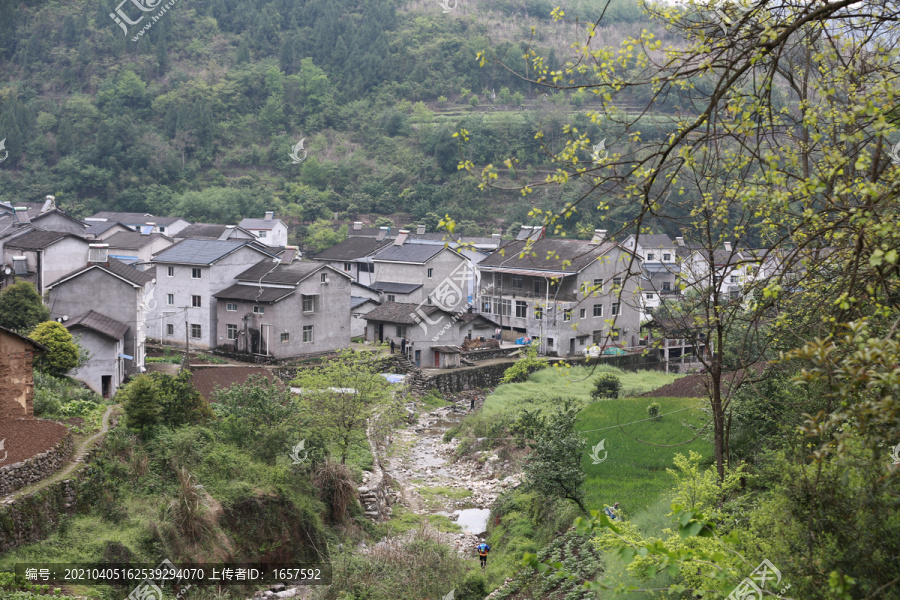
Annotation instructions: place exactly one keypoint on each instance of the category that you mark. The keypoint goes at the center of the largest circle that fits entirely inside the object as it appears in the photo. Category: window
(170, 329)
(231, 306)
(170, 299)
(517, 281)
(171, 271)
(505, 308)
(538, 286)
(323, 278)
(260, 310)
(649, 296)
(486, 305)
(307, 334)
(521, 309)
(598, 310)
(614, 333)
(162, 229)
(651, 256)
(735, 294)
(667, 286)
(195, 301)
(498, 282)
(196, 331)
(567, 314)
(597, 337)
(401, 331)
(617, 281)
(582, 313)
(263, 234)
(346, 266)
(231, 332)
(615, 309)
(391, 298)
(195, 273)
(309, 304)
(667, 256)
(430, 273)
(538, 313)
(582, 339)
(733, 279)
(549, 342)
(285, 337)
(598, 286)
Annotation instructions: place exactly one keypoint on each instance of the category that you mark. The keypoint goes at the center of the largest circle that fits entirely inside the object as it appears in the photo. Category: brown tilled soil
(694, 386)
(23, 438)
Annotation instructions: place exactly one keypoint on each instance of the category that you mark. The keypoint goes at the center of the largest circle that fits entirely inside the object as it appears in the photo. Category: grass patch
(403, 519)
(437, 498)
(433, 400)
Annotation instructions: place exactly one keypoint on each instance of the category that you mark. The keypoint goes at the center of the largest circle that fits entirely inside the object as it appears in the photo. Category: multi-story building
(270, 231)
(42, 257)
(568, 293)
(659, 269)
(170, 226)
(353, 256)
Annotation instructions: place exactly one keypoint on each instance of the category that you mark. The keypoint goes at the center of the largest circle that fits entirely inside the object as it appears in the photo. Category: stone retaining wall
(39, 466)
(35, 516)
(375, 494)
(489, 353)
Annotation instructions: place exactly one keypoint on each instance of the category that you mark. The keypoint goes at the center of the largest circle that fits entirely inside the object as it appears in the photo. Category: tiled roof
(364, 232)
(259, 223)
(114, 267)
(359, 301)
(270, 272)
(400, 312)
(37, 239)
(648, 241)
(409, 253)
(201, 252)
(352, 249)
(253, 293)
(131, 218)
(393, 287)
(548, 254)
(132, 240)
(99, 323)
(210, 231)
(98, 227)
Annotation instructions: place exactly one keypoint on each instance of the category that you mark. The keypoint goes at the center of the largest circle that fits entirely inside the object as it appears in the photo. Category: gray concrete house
(100, 230)
(270, 231)
(170, 226)
(104, 338)
(213, 231)
(407, 271)
(430, 329)
(41, 216)
(362, 300)
(188, 275)
(136, 247)
(115, 290)
(353, 256)
(42, 257)
(569, 293)
(285, 310)
(660, 269)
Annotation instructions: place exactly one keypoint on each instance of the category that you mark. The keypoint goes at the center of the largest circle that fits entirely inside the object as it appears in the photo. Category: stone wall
(489, 353)
(375, 494)
(39, 466)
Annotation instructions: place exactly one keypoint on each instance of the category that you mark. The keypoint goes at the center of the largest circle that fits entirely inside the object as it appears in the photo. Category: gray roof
(131, 218)
(365, 232)
(353, 248)
(212, 231)
(548, 254)
(202, 252)
(409, 253)
(400, 312)
(291, 274)
(37, 239)
(253, 293)
(99, 323)
(359, 301)
(393, 287)
(132, 240)
(98, 227)
(114, 267)
(648, 241)
(259, 223)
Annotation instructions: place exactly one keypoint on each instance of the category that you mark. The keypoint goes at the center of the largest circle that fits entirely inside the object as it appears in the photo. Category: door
(380, 332)
(572, 346)
(106, 384)
(437, 359)
(418, 358)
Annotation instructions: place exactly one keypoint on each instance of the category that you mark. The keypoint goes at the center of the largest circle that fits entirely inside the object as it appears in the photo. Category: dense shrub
(525, 366)
(606, 386)
(653, 411)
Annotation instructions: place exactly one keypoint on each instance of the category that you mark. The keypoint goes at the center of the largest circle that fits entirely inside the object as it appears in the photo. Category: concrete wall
(119, 300)
(52, 262)
(16, 378)
(145, 253)
(104, 361)
(56, 222)
(442, 265)
(277, 236)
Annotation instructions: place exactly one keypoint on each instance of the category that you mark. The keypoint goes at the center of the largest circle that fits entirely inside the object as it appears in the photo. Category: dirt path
(75, 460)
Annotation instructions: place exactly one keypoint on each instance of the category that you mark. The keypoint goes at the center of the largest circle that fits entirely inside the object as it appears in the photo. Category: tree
(62, 353)
(554, 466)
(21, 308)
(141, 403)
(321, 235)
(342, 394)
(179, 401)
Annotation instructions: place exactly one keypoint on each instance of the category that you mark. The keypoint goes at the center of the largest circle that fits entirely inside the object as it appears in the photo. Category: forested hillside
(198, 116)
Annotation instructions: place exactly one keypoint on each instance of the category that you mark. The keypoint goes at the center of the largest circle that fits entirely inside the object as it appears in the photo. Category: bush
(606, 385)
(62, 354)
(525, 366)
(653, 411)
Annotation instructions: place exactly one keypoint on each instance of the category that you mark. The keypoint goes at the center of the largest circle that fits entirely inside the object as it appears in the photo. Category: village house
(114, 291)
(568, 293)
(362, 300)
(100, 230)
(213, 231)
(44, 216)
(660, 268)
(285, 309)
(42, 257)
(104, 339)
(270, 231)
(189, 274)
(170, 226)
(353, 256)
(434, 333)
(16, 375)
(137, 247)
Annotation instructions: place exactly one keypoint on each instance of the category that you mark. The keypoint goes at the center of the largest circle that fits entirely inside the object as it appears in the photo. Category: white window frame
(313, 300)
(308, 339)
(170, 271)
(170, 299)
(259, 310)
(231, 306)
(198, 329)
(231, 332)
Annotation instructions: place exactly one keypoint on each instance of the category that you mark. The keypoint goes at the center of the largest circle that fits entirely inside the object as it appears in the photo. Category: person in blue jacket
(483, 550)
